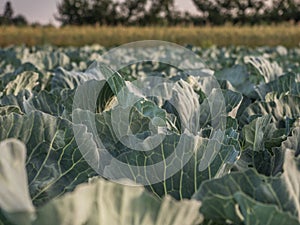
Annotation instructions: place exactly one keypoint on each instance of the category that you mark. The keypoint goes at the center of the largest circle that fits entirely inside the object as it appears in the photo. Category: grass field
(286, 35)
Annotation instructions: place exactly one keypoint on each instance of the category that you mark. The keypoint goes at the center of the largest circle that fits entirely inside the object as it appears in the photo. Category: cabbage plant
(59, 110)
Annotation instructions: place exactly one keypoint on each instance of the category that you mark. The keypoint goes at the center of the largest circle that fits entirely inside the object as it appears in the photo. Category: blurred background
(110, 22)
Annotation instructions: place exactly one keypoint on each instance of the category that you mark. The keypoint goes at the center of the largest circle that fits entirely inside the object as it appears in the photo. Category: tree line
(164, 12)
(110, 12)
(253, 12)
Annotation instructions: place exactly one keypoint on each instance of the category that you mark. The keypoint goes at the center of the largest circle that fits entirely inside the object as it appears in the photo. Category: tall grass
(286, 35)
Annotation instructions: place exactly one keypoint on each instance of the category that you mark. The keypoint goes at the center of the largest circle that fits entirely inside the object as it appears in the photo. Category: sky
(43, 11)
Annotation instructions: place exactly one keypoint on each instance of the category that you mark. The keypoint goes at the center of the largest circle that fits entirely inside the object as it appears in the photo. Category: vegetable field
(233, 144)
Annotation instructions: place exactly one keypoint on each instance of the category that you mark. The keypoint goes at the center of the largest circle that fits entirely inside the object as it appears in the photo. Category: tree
(132, 11)
(286, 10)
(248, 11)
(73, 12)
(161, 12)
(7, 14)
(80, 12)
(104, 12)
(19, 20)
(8, 11)
(8, 19)
(215, 12)
(167, 8)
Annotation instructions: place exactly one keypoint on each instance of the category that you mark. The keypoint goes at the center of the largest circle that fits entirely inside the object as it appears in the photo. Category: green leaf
(218, 196)
(261, 142)
(269, 70)
(239, 79)
(110, 203)
(213, 111)
(283, 85)
(293, 142)
(14, 195)
(45, 60)
(50, 103)
(16, 101)
(24, 81)
(232, 101)
(261, 134)
(54, 163)
(63, 79)
(5, 110)
(24, 72)
(184, 103)
(286, 106)
(254, 212)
